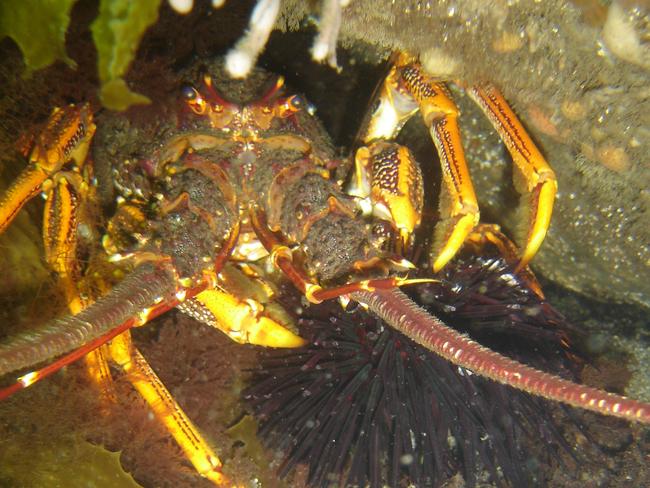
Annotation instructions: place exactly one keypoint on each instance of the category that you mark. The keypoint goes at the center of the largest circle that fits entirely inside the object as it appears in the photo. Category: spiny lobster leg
(60, 225)
(65, 138)
(539, 179)
(242, 321)
(146, 293)
(23, 189)
(406, 90)
(404, 315)
(388, 180)
(282, 258)
(96, 363)
(165, 408)
(63, 210)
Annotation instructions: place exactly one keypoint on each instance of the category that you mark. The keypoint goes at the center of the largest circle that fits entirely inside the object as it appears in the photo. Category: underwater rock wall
(577, 74)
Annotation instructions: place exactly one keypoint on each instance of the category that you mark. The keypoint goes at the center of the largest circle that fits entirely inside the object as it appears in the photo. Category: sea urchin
(362, 405)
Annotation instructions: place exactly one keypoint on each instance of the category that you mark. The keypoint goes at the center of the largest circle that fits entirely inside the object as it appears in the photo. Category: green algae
(246, 431)
(117, 32)
(67, 461)
(38, 27)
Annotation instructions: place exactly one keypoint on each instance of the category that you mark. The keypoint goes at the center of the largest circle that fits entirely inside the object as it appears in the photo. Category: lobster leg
(539, 181)
(63, 210)
(65, 138)
(388, 180)
(165, 408)
(406, 90)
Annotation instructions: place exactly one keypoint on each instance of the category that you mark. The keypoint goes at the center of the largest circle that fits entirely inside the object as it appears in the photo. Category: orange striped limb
(60, 242)
(23, 189)
(63, 212)
(98, 370)
(96, 361)
(538, 178)
(165, 408)
(66, 138)
(67, 192)
(116, 345)
(244, 321)
(388, 182)
(282, 258)
(406, 90)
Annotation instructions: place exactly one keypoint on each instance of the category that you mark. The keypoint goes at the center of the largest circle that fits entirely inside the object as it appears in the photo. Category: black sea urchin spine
(362, 405)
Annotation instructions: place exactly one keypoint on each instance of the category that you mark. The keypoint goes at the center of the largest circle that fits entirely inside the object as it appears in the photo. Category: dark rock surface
(559, 64)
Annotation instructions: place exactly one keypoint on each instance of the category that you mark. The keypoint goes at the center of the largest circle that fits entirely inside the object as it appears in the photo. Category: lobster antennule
(403, 314)
(142, 290)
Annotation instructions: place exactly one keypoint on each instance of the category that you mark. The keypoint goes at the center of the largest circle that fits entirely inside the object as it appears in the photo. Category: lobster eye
(297, 102)
(193, 99)
(189, 93)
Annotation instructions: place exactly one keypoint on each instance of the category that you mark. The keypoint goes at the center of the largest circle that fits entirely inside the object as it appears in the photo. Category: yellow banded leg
(242, 321)
(539, 179)
(66, 137)
(165, 408)
(406, 90)
(23, 189)
(460, 203)
(388, 177)
(96, 363)
(60, 221)
(60, 235)
(440, 115)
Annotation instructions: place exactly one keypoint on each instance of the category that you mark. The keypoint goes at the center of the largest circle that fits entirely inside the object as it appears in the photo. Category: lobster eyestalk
(401, 313)
(145, 293)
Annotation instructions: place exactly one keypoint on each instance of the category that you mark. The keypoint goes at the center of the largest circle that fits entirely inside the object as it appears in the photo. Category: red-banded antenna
(152, 312)
(271, 92)
(212, 95)
(39, 374)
